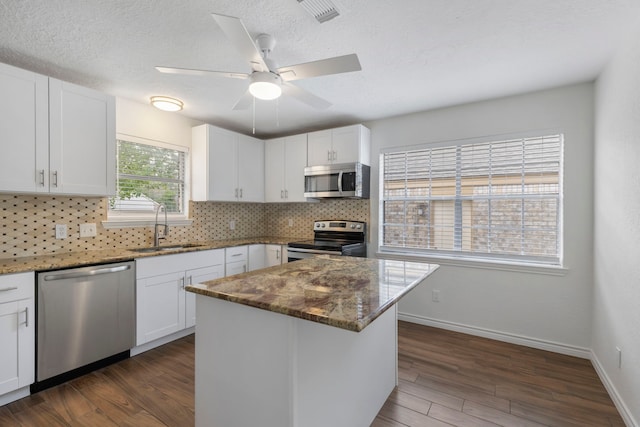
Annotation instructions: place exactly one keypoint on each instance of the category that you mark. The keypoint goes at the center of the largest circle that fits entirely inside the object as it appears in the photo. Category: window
(147, 176)
(490, 199)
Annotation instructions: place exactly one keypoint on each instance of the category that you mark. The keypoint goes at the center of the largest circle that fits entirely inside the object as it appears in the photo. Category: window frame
(116, 219)
(469, 259)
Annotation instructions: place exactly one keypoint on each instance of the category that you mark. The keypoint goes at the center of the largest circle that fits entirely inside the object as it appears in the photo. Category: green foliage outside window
(149, 176)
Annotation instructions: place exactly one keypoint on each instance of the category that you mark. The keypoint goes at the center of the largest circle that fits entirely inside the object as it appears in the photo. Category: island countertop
(345, 292)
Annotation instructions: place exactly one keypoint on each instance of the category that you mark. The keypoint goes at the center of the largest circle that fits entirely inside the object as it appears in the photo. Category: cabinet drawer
(238, 253)
(14, 287)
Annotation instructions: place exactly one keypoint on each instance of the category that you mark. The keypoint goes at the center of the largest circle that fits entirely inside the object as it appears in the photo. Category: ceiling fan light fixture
(166, 103)
(265, 85)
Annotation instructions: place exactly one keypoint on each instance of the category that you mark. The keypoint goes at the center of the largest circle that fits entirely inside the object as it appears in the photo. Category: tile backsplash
(28, 222)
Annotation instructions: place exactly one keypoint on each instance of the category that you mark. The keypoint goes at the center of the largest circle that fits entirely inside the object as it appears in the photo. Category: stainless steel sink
(165, 248)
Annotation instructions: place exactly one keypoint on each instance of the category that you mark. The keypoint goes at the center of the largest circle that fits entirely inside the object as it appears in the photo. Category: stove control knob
(323, 225)
(359, 226)
(353, 226)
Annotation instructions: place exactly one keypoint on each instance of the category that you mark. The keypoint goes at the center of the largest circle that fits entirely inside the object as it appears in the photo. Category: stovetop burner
(345, 238)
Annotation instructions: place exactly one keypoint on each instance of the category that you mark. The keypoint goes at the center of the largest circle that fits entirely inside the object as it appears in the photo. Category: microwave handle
(340, 182)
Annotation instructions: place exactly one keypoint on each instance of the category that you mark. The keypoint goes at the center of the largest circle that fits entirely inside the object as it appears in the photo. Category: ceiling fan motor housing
(265, 85)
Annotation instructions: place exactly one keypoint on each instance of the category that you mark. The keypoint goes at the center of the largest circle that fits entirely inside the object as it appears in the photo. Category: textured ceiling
(415, 54)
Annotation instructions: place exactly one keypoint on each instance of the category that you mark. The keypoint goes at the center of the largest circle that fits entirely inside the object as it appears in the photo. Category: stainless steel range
(337, 237)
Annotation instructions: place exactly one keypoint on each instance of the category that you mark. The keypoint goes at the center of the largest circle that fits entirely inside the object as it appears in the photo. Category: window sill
(486, 264)
(128, 222)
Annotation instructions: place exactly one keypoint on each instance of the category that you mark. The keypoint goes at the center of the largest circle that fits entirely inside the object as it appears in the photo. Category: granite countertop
(79, 259)
(345, 292)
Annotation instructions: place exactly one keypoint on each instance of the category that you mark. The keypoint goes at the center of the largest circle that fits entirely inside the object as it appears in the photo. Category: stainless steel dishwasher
(85, 316)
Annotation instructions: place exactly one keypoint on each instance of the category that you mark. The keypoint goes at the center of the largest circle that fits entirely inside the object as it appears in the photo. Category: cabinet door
(274, 169)
(250, 169)
(257, 257)
(273, 255)
(17, 334)
(198, 275)
(320, 149)
(295, 154)
(236, 268)
(160, 306)
(24, 134)
(346, 144)
(82, 146)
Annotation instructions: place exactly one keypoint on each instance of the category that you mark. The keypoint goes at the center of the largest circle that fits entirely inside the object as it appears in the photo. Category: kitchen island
(309, 343)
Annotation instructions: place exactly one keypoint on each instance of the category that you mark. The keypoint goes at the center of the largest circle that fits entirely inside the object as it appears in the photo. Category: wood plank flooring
(446, 379)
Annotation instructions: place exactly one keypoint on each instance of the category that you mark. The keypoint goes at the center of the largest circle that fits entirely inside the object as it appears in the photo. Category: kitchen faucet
(156, 234)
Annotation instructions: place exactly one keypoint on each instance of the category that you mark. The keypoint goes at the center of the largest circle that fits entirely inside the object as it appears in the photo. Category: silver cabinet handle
(282, 194)
(277, 253)
(8, 289)
(238, 254)
(55, 178)
(236, 193)
(340, 182)
(241, 193)
(244, 268)
(334, 155)
(286, 194)
(41, 174)
(190, 282)
(76, 274)
(26, 317)
(329, 155)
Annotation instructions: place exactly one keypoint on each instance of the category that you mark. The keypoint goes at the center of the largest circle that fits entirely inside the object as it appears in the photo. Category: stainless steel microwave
(339, 180)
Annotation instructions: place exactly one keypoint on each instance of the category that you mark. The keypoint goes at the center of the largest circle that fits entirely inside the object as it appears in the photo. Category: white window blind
(148, 176)
(495, 199)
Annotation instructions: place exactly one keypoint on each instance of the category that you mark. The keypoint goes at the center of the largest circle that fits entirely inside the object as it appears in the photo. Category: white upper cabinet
(24, 134)
(285, 160)
(82, 140)
(56, 137)
(226, 166)
(347, 144)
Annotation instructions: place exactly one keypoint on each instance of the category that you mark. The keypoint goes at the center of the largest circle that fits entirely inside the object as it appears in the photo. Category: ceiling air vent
(322, 10)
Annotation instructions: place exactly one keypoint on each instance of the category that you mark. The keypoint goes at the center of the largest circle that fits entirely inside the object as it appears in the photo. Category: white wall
(616, 309)
(544, 311)
(145, 121)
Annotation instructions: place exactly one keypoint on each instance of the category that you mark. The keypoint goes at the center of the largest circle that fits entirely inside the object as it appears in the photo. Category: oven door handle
(314, 251)
(340, 181)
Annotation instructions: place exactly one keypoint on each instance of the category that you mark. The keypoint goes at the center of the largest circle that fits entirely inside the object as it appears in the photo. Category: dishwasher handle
(85, 273)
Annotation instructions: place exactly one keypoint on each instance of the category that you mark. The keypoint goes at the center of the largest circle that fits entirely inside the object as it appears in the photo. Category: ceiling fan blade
(236, 32)
(323, 67)
(192, 72)
(304, 96)
(244, 102)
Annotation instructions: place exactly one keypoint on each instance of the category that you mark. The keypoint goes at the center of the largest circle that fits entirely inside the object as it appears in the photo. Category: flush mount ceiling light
(265, 85)
(166, 103)
(322, 10)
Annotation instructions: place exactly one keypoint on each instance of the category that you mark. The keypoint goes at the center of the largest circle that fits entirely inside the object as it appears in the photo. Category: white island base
(258, 368)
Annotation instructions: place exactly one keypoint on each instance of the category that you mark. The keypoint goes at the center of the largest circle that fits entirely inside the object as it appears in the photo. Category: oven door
(296, 254)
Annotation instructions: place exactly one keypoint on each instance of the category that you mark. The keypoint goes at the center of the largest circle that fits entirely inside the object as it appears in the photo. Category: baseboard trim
(583, 353)
(12, 396)
(161, 341)
(625, 413)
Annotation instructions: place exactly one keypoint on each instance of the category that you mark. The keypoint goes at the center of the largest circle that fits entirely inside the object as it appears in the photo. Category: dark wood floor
(446, 379)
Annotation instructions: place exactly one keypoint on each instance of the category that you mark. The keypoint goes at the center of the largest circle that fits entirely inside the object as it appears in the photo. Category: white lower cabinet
(236, 260)
(257, 257)
(275, 255)
(17, 331)
(163, 307)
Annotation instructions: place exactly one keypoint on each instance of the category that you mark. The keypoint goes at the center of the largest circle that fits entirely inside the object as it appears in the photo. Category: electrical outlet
(88, 230)
(61, 231)
(435, 295)
(232, 225)
(290, 222)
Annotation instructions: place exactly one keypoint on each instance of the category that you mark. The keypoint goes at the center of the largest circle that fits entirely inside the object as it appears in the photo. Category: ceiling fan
(267, 80)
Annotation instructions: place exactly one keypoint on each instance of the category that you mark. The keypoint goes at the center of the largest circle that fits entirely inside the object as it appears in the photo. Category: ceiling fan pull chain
(278, 112)
(254, 115)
